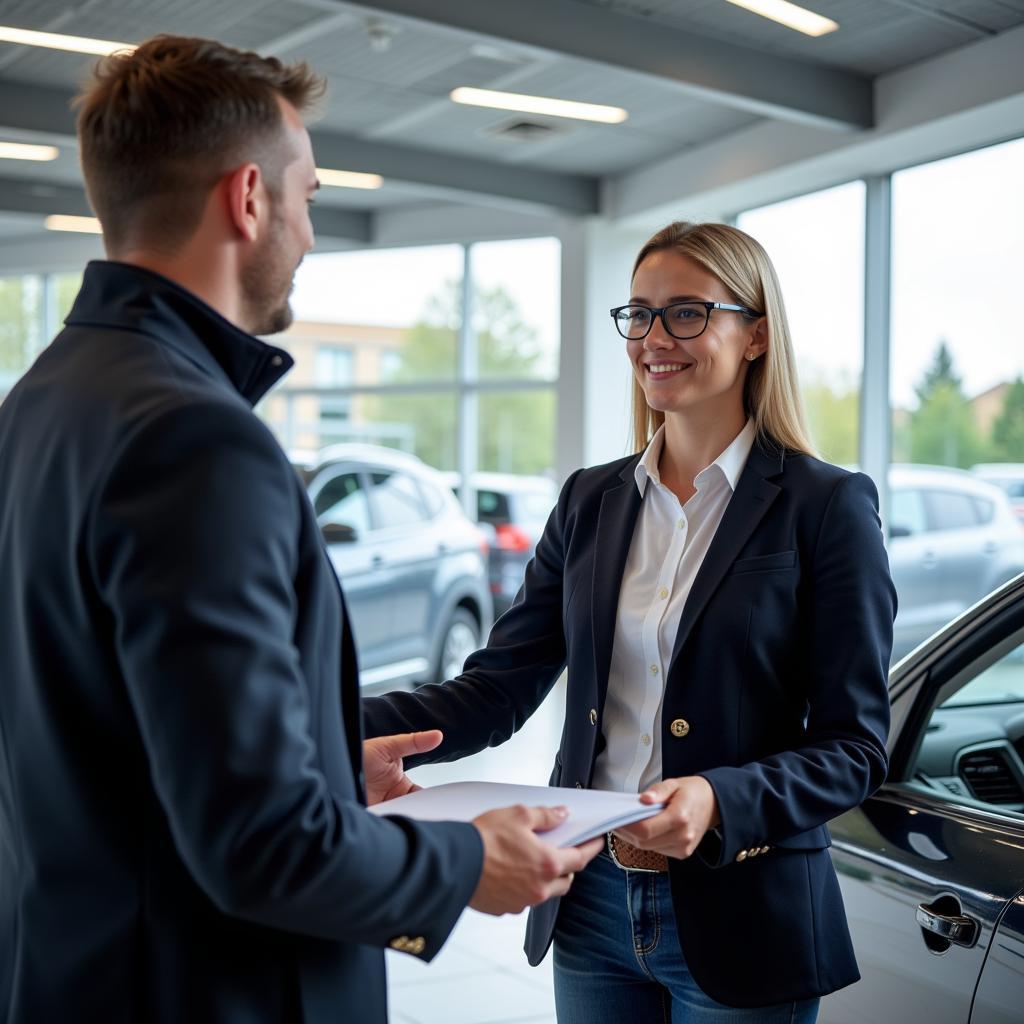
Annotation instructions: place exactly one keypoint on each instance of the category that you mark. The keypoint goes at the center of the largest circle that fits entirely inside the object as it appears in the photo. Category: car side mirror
(895, 530)
(338, 533)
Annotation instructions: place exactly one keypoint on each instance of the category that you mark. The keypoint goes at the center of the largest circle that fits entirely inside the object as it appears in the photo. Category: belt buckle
(609, 842)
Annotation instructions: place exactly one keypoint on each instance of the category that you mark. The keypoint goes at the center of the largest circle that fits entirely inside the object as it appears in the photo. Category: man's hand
(520, 869)
(382, 763)
(690, 810)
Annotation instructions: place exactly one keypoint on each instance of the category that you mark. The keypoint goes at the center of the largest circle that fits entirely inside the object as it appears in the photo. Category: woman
(723, 603)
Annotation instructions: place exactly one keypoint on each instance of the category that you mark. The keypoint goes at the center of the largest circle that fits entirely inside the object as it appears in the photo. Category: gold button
(400, 943)
(654, 670)
(679, 727)
(645, 740)
(742, 855)
(593, 716)
(765, 849)
(663, 593)
(417, 945)
(754, 851)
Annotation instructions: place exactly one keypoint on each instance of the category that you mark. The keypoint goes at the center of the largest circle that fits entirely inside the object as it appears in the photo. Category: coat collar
(616, 522)
(129, 297)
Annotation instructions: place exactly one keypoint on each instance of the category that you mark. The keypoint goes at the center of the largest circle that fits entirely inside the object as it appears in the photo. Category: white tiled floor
(481, 976)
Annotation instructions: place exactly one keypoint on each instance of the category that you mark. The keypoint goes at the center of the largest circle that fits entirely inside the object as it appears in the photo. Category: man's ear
(246, 198)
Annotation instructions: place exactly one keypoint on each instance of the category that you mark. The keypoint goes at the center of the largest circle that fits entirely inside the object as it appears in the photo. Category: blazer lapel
(616, 521)
(752, 499)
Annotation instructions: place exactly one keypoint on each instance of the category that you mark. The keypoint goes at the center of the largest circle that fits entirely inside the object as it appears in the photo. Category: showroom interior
(472, 236)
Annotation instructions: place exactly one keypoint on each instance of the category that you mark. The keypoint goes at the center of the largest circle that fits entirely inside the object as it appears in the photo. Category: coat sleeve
(850, 607)
(505, 682)
(193, 543)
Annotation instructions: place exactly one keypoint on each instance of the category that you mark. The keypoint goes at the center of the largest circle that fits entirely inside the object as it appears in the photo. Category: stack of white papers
(591, 812)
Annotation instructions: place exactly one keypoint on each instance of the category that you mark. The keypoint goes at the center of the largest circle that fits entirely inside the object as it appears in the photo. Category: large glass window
(817, 245)
(957, 383)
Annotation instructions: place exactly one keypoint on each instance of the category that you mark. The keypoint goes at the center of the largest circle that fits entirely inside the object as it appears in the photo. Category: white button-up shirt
(669, 544)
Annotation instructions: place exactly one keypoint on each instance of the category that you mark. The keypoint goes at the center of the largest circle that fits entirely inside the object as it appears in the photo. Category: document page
(591, 812)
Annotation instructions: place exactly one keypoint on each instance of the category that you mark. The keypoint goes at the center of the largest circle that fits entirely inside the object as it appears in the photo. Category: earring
(750, 356)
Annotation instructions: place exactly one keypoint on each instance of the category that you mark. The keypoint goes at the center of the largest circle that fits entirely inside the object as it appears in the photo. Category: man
(182, 836)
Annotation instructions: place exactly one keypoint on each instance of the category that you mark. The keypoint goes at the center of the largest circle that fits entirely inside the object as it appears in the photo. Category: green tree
(941, 429)
(515, 429)
(1008, 428)
(833, 415)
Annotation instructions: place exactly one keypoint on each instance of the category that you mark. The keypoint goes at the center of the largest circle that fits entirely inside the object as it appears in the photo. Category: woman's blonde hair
(771, 393)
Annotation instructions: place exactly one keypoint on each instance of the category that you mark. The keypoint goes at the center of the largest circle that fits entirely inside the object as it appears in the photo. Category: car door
(916, 563)
(407, 553)
(1001, 990)
(931, 862)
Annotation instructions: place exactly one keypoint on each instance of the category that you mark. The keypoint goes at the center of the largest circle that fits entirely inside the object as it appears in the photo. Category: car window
(492, 507)
(973, 744)
(907, 511)
(342, 501)
(984, 509)
(396, 500)
(432, 498)
(950, 510)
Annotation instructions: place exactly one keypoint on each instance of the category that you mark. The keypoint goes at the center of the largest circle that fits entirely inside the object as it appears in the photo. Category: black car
(412, 565)
(932, 865)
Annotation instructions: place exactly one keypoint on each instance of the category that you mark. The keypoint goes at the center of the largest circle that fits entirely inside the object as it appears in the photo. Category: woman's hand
(690, 810)
(382, 763)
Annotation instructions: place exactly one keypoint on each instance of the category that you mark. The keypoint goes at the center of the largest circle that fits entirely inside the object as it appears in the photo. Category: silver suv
(953, 538)
(412, 566)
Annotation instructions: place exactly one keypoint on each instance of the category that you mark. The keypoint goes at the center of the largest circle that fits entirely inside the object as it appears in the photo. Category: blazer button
(679, 727)
(593, 716)
(742, 855)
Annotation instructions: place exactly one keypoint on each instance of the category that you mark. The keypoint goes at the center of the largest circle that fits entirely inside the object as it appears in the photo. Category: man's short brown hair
(160, 125)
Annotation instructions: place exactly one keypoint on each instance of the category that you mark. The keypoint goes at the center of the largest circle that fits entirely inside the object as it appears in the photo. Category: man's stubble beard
(267, 283)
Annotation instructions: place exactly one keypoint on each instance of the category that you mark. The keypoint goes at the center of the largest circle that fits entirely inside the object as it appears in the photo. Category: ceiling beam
(47, 112)
(725, 73)
(19, 195)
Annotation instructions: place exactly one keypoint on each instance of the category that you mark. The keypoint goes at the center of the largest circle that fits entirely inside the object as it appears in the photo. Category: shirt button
(654, 670)
(645, 739)
(663, 593)
(593, 716)
(679, 727)
(276, 361)
(681, 524)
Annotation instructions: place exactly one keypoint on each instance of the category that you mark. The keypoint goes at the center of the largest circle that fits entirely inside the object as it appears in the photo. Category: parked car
(514, 510)
(932, 866)
(1009, 476)
(413, 567)
(953, 538)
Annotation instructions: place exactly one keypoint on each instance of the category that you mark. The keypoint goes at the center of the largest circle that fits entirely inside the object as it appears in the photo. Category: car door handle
(377, 561)
(991, 548)
(957, 928)
(929, 560)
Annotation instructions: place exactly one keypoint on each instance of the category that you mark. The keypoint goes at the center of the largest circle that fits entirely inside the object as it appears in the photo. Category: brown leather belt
(632, 858)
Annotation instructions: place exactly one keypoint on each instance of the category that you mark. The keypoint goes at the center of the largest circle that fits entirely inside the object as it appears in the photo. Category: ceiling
(691, 73)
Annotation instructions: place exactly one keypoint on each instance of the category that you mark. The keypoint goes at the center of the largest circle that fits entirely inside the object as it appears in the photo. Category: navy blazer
(779, 670)
(181, 829)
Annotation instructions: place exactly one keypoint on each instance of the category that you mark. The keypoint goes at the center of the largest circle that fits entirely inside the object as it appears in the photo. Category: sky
(958, 271)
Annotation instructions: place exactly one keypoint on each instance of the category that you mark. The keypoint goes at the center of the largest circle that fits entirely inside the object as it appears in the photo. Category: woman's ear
(758, 343)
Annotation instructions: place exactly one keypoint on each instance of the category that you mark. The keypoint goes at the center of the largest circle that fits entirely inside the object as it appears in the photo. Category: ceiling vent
(990, 777)
(524, 131)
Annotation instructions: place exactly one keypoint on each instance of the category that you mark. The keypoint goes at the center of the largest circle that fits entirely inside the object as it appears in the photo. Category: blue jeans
(618, 959)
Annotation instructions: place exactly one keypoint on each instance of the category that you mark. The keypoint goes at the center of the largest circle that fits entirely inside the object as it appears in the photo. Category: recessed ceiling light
(798, 18)
(538, 105)
(55, 41)
(65, 222)
(27, 151)
(348, 179)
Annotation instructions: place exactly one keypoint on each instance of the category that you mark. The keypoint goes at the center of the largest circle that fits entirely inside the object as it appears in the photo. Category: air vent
(524, 131)
(990, 778)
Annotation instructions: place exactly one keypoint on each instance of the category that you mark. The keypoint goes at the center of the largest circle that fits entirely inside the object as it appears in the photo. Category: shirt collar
(730, 463)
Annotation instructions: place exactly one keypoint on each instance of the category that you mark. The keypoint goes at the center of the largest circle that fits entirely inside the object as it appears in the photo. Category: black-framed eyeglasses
(683, 320)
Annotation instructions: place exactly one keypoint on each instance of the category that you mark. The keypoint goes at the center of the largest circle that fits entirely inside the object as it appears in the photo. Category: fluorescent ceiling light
(538, 105)
(26, 151)
(63, 222)
(798, 18)
(55, 41)
(348, 179)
